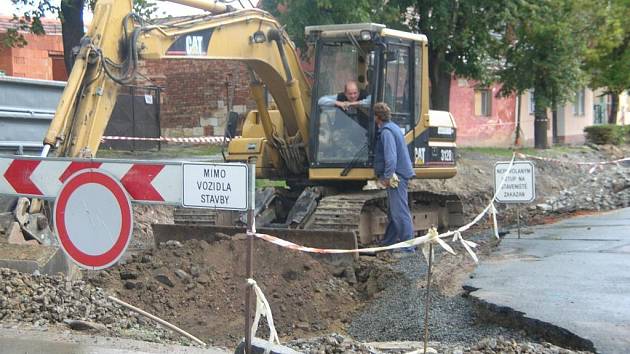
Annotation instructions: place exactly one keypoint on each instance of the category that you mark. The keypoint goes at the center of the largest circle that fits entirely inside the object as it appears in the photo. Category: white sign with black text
(519, 185)
(215, 185)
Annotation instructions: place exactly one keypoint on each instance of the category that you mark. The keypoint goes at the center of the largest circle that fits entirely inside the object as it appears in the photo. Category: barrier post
(518, 220)
(427, 299)
(251, 164)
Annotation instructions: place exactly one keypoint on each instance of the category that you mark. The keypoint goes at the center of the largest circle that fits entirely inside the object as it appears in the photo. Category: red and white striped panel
(197, 140)
(146, 181)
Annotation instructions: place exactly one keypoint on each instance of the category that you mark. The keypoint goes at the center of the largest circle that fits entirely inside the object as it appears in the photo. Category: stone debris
(337, 344)
(603, 190)
(43, 301)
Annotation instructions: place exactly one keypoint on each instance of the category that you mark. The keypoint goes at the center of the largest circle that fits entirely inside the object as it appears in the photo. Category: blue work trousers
(400, 226)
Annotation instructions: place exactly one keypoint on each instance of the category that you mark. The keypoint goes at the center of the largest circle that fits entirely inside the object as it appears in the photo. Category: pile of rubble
(606, 190)
(199, 287)
(48, 300)
(335, 343)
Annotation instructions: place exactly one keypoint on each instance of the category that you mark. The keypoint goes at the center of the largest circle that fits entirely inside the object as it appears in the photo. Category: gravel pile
(48, 300)
(335, 343)
(397, 313)
(602, 190)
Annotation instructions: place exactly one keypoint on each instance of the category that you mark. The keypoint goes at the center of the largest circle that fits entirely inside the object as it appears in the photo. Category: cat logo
(194, 45)
(419, 156)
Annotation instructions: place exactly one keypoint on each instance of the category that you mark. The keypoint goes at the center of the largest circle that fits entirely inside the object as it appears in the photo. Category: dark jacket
(341, 97)
(391, 154)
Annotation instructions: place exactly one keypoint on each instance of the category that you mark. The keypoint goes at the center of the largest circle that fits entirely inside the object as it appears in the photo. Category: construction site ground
(317, 308)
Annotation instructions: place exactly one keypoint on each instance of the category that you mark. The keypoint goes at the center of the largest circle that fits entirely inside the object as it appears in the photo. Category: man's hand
(340, 105)
(344, 105)
(385, 182)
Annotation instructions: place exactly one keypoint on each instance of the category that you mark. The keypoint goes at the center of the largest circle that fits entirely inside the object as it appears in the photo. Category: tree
(70, 12)
(71, 16)
(608, 59)
(462, 34)
(464, 38)
(546, 47)
(297, 14)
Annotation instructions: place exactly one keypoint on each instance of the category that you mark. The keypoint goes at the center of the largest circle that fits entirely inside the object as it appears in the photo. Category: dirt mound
(200, 287)
(143, 217)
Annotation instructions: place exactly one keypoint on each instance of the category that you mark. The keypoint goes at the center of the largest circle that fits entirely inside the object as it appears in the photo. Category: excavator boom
(117, 40)
(321, 152)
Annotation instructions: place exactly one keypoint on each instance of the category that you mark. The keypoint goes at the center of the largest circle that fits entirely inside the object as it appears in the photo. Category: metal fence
(136, 114)
(27, 107)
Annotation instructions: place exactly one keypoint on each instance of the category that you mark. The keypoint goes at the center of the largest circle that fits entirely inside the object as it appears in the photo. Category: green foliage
(464, 36)
(546, 46)
(606, 134)
(608, 58)
(297, 14)
(146, 9)
(30, 21)
(28, 15)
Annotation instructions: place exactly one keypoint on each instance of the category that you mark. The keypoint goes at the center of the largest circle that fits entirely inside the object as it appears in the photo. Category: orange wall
(35, 59)
(473, 130)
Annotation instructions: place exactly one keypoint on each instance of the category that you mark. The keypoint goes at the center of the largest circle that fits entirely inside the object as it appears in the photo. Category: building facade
(484, 119)
(41, 58)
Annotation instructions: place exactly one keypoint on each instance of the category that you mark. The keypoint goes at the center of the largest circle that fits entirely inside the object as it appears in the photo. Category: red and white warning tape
(432, 236)
(197, 140)
(594, 165)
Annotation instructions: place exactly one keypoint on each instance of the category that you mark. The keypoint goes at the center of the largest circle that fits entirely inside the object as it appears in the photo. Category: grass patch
(507, 152)
(167, 151)
(263, 183)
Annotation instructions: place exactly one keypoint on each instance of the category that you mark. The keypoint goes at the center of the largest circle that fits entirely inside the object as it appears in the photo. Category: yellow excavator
(324, 154)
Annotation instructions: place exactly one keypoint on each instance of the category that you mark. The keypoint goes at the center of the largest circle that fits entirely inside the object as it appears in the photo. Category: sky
(8, 8)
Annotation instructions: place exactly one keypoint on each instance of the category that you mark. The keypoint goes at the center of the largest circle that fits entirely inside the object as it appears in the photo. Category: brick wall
(194, 97)
(35, 60)
(473, 129)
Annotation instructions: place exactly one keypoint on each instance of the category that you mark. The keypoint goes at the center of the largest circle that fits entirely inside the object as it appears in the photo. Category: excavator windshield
(343, 134)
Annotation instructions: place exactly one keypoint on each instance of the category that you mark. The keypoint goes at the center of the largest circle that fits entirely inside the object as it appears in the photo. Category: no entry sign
(93, 219)
(519, 185)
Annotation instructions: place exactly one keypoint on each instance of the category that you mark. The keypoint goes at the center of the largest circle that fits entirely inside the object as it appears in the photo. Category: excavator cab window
(397, 91)
(342, 136)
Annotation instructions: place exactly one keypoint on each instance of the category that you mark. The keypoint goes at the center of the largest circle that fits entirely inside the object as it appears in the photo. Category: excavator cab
(387, 66)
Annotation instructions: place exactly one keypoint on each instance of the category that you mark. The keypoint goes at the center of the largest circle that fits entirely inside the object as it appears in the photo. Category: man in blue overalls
(391, 158)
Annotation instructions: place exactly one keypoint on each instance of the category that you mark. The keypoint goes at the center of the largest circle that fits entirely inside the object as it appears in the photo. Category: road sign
(145, 181)
(519, 185)
(217, 186)
(93, 219)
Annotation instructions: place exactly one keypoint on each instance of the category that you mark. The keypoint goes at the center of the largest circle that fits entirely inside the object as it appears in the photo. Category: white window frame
(532, 103)
(579, 105)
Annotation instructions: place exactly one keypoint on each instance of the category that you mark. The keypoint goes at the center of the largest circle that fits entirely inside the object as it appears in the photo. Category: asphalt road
(574, 275)
(13, 340)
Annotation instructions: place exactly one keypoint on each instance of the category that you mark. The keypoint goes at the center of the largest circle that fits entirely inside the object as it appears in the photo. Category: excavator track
(343, 211)
(365, 213)
(362, 213)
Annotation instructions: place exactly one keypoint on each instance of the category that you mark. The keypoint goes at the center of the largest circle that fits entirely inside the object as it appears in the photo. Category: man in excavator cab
(350, 97)
(343, 111)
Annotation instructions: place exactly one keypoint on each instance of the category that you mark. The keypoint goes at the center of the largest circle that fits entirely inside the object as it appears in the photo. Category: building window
(532, 103)
(483, 102)
(578, 105)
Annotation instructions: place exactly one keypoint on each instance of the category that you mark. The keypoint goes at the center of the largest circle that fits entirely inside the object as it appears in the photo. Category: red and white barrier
(594, 165)
(147, 182)
(195, 140)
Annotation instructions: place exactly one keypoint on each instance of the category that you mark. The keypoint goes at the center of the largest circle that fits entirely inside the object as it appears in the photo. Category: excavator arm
(108, 58)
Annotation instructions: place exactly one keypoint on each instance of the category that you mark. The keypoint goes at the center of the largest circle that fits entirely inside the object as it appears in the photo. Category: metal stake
(518, 220)
(427, 300)
(250, 253)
